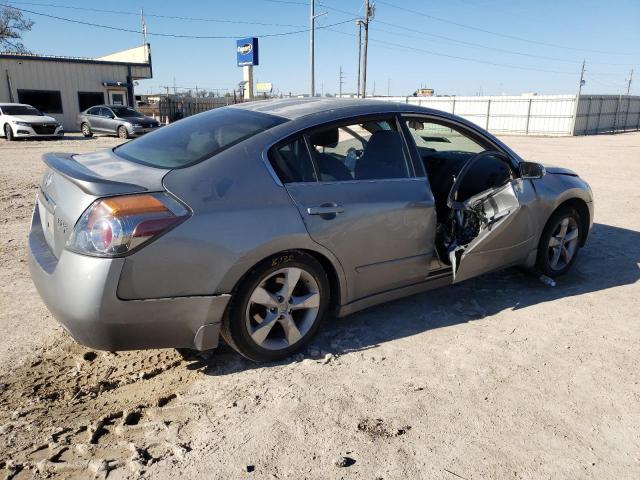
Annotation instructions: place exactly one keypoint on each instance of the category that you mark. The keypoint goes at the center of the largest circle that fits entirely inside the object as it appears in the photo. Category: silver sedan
(258, 221)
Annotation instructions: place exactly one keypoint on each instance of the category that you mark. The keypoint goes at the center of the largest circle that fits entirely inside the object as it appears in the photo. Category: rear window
(196, 138)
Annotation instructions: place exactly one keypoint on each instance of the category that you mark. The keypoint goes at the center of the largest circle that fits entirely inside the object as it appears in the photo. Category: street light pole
(312, 48)
(359, 23)
(366, 44)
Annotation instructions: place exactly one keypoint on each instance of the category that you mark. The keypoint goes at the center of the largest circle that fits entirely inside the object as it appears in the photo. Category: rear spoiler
(85, 179)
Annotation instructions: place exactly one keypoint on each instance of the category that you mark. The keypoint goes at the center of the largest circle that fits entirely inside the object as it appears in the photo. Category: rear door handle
(326, 209)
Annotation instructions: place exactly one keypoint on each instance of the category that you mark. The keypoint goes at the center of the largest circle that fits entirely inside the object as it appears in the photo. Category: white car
(19, 120)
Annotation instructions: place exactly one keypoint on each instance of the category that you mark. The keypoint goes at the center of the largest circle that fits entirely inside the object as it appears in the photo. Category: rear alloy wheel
(86, 130)
(278, 307)
(8, 133)
(123, 133)
(560, 243)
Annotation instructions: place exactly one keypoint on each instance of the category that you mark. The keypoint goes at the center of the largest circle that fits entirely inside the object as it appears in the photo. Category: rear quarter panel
(240, 217)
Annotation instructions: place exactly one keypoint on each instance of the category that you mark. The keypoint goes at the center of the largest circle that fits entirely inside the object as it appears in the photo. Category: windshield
(196, 138)
(20, 110)
(126, 112)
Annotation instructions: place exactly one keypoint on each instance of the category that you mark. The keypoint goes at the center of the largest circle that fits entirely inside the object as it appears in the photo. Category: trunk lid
(73, 182)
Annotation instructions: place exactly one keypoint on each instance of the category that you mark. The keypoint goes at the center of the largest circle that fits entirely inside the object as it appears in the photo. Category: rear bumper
(80, 291)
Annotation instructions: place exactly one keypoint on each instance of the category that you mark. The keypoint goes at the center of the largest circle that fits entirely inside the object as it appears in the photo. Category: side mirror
(531, 170)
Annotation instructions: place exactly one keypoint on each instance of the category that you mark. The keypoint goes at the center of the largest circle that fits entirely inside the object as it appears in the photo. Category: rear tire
(123, 133)
(560, 242)
(86, 130)
(277, 308)
(8, 133)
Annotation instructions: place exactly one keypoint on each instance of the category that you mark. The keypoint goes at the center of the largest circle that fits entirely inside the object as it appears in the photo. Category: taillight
(114, 226)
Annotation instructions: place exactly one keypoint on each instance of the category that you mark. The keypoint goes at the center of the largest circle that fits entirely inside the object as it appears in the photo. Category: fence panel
(540, 114)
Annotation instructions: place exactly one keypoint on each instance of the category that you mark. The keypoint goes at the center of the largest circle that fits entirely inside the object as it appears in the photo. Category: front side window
(359, 151)
(196, 138)
(48, 101)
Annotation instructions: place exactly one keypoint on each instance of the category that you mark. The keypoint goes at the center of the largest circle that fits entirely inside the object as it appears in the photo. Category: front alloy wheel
(278, 307)
(560, 242)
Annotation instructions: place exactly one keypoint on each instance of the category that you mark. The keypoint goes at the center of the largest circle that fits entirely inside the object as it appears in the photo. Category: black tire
(86, 130)
(235, 330)
(123, 132)
(544, 260)
(8, 133)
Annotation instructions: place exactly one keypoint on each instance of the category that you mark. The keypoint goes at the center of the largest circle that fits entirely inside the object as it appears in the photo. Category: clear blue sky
(406, 49)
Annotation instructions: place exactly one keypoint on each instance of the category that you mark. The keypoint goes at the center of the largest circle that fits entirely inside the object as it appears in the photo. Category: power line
(503, 35)
(464, 42)
(156, 15)
(398, 46)
(172, 35)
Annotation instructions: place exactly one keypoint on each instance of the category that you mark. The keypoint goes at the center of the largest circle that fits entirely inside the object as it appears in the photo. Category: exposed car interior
(375, 150)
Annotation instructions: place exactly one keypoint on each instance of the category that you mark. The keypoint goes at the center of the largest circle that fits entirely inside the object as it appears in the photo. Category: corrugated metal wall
(67, 77)
(540, 114)
(607, 114)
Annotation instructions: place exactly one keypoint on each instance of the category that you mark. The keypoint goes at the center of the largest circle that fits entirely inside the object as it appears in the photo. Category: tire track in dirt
(75, 413)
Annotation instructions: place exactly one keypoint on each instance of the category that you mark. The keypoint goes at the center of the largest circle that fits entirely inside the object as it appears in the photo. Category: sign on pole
(264, 87)
(247, 52)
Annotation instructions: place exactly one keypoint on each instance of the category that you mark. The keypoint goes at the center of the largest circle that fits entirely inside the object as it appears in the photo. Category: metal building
(64, 86)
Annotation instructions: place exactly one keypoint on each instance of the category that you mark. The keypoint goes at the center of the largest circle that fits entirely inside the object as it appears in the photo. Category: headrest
(325, 138)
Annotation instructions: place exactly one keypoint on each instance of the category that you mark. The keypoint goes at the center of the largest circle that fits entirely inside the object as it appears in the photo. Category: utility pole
(359, 23)
(341, 81)
(581, 80)
(367, 14)
(312, 52)
(629, 84)
(144, 27)
(388, 87)
(575, 110)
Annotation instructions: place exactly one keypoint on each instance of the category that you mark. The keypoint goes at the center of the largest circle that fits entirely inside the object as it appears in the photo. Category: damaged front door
(487, 228)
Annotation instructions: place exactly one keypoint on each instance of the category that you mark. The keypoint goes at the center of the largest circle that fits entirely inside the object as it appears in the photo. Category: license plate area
(47, 222)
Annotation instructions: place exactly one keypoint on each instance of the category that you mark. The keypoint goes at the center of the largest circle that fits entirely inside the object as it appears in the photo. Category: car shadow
(610, 259)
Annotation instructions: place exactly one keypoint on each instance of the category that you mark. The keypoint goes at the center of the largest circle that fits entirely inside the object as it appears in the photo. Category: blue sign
(247, 51)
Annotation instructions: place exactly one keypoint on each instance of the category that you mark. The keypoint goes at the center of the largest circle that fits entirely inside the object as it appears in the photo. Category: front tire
(277, 308)
(8, 133)
(123, 132)
(560, 242)
(86, 130)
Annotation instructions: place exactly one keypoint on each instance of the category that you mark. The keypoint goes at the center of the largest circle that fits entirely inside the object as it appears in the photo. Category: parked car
(125, 122)
(19, 120)
(258, 220)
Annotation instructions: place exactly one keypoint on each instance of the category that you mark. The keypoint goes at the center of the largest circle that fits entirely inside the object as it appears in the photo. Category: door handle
(326, 209)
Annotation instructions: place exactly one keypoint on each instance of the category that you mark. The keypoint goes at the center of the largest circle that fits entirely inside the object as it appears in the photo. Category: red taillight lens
(116, 225)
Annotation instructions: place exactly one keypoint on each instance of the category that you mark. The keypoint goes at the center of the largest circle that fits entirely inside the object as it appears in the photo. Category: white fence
(540, 114)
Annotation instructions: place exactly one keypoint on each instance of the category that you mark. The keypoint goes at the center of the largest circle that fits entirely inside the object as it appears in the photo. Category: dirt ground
(498, 377)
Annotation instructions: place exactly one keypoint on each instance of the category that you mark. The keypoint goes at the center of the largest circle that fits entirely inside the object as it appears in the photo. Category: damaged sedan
(255, 222)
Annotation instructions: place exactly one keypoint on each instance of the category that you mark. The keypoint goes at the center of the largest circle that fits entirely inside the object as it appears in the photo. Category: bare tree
(12, 25)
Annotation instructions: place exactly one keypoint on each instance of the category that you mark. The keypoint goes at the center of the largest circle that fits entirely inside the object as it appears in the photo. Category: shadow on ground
(610, 259)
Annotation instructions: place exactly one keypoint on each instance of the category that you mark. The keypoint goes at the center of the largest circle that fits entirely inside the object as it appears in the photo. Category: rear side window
(196, 138)
(292, 162)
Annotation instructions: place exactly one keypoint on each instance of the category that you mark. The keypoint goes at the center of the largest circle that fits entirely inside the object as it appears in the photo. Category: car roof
(14, 104)
(293, 108)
